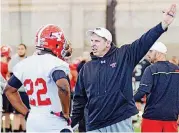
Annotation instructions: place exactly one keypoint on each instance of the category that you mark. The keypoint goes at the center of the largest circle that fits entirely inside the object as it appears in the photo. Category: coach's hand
(168, 16)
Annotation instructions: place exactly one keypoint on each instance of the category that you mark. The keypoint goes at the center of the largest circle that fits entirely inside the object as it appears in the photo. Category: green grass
(136, 129)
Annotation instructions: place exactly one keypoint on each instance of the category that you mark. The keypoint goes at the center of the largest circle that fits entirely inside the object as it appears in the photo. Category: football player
(44, 77)
(7, 107)
(18, 122)
(139, 70)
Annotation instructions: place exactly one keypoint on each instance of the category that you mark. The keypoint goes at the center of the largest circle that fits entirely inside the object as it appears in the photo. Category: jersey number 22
(40, 91)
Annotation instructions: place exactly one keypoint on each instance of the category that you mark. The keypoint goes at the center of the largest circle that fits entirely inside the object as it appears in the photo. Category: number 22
(43, 90)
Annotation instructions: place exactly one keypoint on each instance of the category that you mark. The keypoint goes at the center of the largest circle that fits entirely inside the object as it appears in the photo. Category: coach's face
(99, 45)
(152, 56)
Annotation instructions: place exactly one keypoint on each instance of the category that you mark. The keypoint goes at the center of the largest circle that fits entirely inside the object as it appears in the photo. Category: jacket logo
(113, 65)
(103, 62)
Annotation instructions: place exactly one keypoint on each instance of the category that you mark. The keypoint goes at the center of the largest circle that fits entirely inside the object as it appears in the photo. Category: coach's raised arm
(103, 92)
(141, 46)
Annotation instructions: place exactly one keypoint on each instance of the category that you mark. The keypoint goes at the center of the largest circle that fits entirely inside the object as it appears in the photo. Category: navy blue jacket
(103, 91)
(160, 82)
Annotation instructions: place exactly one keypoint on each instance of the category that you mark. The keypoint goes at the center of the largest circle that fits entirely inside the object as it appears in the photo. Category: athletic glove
(60, 114)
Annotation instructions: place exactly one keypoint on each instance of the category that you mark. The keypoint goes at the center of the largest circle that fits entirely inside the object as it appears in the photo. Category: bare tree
(110, 18)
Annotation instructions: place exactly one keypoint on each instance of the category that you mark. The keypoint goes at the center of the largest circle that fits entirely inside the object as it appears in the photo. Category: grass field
(136, 129)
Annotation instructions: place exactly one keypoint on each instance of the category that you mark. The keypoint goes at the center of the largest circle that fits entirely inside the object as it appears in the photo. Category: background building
(20, 20)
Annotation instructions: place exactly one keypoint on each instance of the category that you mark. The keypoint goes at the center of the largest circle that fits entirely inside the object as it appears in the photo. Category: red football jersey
(4, 69)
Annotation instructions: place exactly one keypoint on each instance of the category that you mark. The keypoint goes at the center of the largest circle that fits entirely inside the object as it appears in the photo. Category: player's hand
(168, 16)
(66, 117)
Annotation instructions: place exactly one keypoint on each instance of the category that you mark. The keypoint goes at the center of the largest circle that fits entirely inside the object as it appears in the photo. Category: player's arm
(146, 84)
(60, 78)
(11, 91)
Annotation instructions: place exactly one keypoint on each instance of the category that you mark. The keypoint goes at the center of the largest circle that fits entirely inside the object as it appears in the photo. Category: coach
(160, 82)
(103, 91)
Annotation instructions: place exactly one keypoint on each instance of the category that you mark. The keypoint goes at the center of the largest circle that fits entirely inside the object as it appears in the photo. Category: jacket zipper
(101, 63)
(98, 83)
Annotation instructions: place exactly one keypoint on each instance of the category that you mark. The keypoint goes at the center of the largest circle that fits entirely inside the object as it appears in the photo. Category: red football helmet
(51, 38)
(6, 51)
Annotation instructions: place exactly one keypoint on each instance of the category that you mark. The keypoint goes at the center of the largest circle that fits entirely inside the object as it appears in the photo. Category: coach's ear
(108, 44)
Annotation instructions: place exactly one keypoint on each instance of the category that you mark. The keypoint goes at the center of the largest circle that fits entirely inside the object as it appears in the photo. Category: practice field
(137, 129)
